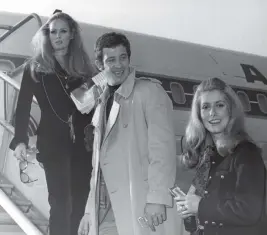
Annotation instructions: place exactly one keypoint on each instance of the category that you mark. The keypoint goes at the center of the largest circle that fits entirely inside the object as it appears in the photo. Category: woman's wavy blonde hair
(43, 60)
(196, 135)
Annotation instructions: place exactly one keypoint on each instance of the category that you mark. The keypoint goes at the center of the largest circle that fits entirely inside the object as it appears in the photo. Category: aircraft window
(180, 144)
(262, 100)
(244, 100)
(177, 93)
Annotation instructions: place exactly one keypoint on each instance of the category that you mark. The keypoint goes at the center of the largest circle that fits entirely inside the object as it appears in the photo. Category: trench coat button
(213, 223)
(213, 163)
(222, 176)
(210, 177)
(206, 222)
(125, 125)
(221, 224)
(206, 192)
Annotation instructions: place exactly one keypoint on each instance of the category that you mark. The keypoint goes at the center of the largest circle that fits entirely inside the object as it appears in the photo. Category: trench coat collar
(127, 86)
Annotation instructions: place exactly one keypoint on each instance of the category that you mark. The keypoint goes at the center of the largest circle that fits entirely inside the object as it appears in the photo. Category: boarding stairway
(18, 215)
(8, 225)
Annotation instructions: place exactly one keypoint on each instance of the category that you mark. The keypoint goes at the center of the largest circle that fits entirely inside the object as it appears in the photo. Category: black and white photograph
(133, 117)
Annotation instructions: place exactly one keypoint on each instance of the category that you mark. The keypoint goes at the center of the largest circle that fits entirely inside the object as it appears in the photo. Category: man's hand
(84, 225)
(155, 214)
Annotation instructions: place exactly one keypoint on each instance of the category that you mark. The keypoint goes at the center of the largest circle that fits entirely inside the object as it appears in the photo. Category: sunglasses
(24, 177)
(24, 163)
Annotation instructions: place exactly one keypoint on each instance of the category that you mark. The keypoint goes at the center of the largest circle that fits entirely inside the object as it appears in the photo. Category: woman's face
(59, 34)
(214, 111)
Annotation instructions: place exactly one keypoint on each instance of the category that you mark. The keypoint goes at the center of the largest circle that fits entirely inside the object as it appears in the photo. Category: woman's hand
(20, 151)
(188, 205)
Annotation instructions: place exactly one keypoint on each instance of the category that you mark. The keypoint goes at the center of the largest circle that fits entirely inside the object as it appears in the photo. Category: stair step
(4, 185)
(7, 188)
(12, 233)
(24, 205)
(10, 228)
(5, 219)
(39, 220)
(33, 213)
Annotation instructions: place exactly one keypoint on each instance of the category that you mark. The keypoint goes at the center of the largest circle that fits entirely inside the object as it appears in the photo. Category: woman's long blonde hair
(196, 135)
(43, 60)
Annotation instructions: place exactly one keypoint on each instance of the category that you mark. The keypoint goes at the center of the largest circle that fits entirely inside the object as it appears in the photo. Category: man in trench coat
(134, 157)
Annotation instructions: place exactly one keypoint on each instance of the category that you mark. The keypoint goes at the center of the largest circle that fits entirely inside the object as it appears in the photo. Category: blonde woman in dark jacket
(227, 196)
(59, 65)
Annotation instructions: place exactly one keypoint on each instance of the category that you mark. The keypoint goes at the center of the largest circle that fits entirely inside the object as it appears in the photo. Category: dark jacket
(234, 202)
(53, 134)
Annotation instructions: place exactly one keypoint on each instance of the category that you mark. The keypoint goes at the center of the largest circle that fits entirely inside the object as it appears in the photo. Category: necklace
(70, 118)
(64, 87)
(62, 75)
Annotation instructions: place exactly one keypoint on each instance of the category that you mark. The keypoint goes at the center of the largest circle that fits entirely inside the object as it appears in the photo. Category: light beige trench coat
(136, 154)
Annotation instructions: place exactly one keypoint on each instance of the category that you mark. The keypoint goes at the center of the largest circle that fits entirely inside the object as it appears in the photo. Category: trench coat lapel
(98, 119)
(123, 92)
(115, 109)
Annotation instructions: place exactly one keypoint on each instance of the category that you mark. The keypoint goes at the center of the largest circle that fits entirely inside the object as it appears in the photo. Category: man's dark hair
(111, 40)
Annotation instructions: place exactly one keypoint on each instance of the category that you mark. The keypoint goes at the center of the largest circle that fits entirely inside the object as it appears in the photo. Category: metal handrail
(18, 25)
(17, 215)
(7, 126)
(6, 203)
(15, 71)
(13, 83)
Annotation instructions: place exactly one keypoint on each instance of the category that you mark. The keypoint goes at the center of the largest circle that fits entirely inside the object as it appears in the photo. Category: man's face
(116, 62)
